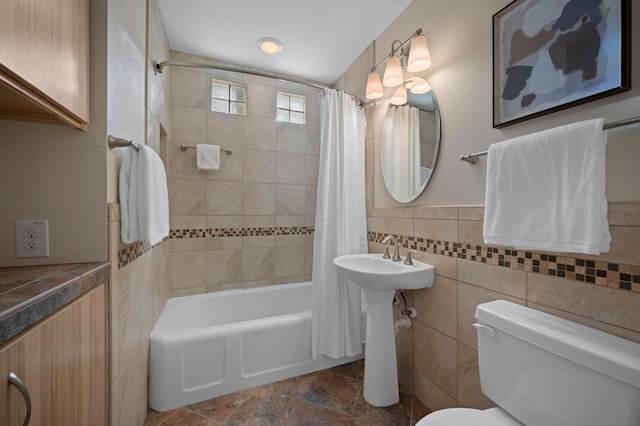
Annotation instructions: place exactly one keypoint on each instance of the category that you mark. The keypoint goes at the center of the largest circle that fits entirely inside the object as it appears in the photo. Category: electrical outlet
(32, 238)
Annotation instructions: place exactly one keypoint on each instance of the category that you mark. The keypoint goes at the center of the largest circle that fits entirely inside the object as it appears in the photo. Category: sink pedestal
(380, 365)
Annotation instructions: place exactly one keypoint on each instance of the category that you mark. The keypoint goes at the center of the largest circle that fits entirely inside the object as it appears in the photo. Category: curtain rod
(473, 158)
(159, 66)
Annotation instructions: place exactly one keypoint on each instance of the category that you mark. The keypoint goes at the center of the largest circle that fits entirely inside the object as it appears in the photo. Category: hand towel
(144, 200)
(208, 157)
(546, 191)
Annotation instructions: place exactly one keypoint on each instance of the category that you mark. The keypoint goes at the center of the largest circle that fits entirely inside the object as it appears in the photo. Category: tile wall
(437, 356)
(137, 294)
(250, 223)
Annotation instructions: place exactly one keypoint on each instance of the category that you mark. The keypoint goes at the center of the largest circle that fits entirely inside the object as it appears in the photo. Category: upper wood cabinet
(44, 61)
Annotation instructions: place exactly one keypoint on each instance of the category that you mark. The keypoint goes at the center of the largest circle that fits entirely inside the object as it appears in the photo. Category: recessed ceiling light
(269, 45)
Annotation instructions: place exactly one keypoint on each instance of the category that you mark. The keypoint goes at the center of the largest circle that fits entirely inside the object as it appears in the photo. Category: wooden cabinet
(44, 61)
(62, 362)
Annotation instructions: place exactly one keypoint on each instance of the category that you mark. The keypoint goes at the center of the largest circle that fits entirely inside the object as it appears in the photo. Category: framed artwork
(552, 55)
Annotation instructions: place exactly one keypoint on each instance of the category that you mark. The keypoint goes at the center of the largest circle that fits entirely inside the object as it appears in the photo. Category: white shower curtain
(401, 133)
(341, 227)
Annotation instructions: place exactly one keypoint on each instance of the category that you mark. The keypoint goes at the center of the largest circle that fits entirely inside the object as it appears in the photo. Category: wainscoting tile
(430, 394)
(449, 213)
(258, 264)
(495, 278)
(437, 306)
(436, 229)
(435, 357)
(472, 213)
(469, 393)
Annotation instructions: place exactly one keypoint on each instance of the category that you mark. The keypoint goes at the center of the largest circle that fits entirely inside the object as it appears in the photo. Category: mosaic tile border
(240, 232)
(138, 249)
(605, 274)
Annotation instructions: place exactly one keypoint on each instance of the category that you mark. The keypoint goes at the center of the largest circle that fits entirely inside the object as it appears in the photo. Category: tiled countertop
(30, 293)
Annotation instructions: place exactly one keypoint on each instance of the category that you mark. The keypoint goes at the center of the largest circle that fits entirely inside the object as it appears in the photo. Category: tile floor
(330, 397)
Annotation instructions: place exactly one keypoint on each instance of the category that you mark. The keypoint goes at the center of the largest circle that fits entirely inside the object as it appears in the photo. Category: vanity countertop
(30, 293)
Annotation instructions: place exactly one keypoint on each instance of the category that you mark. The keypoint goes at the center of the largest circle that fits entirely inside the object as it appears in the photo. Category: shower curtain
(340, 227)
(401, 131)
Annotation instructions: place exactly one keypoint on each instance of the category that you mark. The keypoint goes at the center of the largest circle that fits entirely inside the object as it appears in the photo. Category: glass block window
(291, 108)
(228, 97)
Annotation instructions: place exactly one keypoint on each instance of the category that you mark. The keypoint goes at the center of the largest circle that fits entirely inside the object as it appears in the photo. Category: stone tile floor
(330, 397)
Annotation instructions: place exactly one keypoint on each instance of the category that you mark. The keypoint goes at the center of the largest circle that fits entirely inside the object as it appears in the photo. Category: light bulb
(374, 86)
(419, 56)
(419, 86)
(269, 45)
(400, 96)
(393, 72)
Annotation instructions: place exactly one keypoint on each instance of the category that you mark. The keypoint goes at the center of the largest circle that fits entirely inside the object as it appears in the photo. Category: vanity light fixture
(269, 45)
(416, 58)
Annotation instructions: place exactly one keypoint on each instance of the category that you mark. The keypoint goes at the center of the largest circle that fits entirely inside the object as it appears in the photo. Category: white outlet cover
(32, 238)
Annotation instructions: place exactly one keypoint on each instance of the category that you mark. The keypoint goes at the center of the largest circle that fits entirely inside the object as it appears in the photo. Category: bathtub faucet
(396, 249)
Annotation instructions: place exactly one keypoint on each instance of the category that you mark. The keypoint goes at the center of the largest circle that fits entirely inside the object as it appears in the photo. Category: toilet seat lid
(461, 416)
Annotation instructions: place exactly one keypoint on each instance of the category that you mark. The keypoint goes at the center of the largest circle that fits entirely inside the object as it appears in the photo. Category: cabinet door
(62, 362)
(44, 57)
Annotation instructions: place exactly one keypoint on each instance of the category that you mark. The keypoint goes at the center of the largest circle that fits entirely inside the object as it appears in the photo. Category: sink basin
(380, 278)
(374, 273)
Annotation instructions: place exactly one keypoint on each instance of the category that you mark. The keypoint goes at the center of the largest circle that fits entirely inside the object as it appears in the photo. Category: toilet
(542, 370)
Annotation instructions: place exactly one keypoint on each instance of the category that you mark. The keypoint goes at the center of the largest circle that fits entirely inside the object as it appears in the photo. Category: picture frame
(553, 55)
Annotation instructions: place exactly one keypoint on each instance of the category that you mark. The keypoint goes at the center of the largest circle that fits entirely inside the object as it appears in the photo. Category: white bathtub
(213, 344)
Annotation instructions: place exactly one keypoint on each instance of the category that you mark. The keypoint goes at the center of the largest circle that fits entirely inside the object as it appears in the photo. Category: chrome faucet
(396, 251)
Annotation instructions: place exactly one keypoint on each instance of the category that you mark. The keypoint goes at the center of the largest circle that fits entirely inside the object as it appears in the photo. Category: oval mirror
(409, 146)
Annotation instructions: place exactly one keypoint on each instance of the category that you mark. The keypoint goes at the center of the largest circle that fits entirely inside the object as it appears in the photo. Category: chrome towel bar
(473, 158)
(184, 147)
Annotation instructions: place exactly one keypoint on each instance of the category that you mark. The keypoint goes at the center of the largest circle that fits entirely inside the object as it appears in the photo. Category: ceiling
(321, 38)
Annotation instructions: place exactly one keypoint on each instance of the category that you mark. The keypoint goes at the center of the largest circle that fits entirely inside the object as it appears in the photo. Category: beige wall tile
(223, 243)
(395, 226)
(435, 357)
(263, 241)
(290, 200)
(404, 340)
(437, 229)
(624, 214)
(188, 125)
(290, 138)
(624, 246)
(258, 221)
(444, 266)
(496, 278)
(260, 133)
(469, 297)
(186, 291)
(261, 100)
(375, 224)
(470, 232)
(128, 312)
(259, 166)
(430, 394)
(259, 199)
(187, 244)
(438, 306)
(291, 168)
(405, 375)
(187, 222)
(289, 221)
(446, 213)
(616, 331)
(258, 264)
(290, 261)
(614, 307)
(224, 130)
(187, 197)
(313, 169)
(224, 266)
(398, 212)
(472, 213)
(231, 166)
(469, 393)
(187, 269)
(224, 198)
(189, 88)
(310, 204)
(312, 136)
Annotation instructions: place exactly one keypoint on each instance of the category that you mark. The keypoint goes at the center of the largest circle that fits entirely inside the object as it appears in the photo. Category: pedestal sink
(380, 278)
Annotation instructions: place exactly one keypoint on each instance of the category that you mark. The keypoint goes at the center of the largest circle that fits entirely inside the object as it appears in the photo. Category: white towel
(208, 157)
(144, 201)
(546, 191)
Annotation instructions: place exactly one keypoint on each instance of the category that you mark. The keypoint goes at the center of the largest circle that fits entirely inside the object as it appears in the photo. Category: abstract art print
(554, 54)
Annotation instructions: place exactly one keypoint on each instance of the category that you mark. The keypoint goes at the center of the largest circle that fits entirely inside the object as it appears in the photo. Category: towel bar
(473, 158)
(184, 147)
(115, 142)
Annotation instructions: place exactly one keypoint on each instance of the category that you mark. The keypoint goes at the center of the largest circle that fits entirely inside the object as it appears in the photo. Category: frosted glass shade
(393, 73)
(374, 86)
(419, 86)
(419, 56)
(400, 96)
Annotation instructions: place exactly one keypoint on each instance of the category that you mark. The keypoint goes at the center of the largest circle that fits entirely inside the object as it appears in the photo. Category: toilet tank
(545, 370)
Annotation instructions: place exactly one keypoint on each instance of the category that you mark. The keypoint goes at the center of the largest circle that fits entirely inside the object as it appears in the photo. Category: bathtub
(213, 344)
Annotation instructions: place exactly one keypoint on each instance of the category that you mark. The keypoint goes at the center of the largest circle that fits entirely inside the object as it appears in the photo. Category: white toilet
(543, 370)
